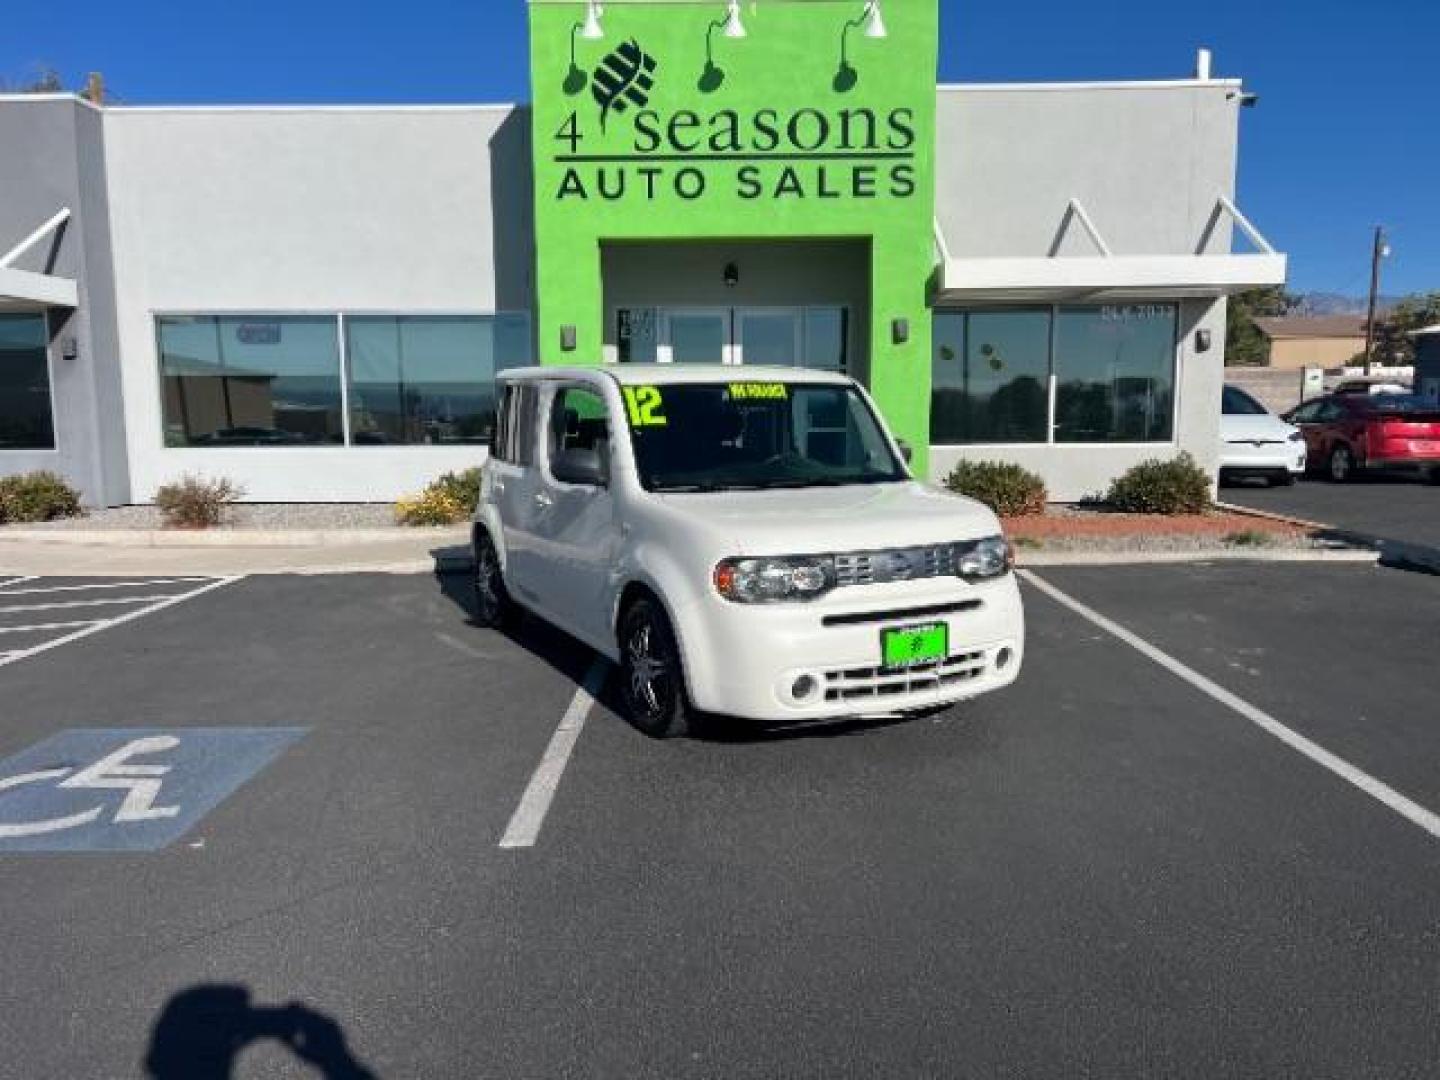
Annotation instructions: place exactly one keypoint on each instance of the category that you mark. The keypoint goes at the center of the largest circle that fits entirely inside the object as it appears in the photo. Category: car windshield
(742, 436)
(1236, 402)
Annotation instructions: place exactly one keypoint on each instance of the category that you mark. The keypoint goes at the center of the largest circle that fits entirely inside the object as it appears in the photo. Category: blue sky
(1344, 136)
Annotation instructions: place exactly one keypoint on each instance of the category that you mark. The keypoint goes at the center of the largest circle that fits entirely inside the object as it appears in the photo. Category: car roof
(672, 374)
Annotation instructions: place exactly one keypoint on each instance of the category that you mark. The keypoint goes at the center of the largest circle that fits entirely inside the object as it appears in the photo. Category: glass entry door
(699, 336)
(815, 337)
(769, 336)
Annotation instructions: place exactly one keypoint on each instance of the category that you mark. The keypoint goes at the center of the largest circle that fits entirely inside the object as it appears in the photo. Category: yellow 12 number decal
(644, 403)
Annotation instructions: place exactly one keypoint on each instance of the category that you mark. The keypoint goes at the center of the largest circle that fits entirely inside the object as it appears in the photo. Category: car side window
(579, 420)
(522, 424)
(1329, 411)
(500, 448)
(1307, 413)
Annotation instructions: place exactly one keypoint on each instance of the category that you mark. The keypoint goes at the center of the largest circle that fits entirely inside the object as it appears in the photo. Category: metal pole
(1374, 293)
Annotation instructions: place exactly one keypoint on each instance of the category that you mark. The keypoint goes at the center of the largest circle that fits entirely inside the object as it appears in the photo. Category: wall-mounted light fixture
(1202, 341)
(900, 331)
(69, 348)
(590, 30)
(567, 338)
(732, 275)
(733, 27)
(874, 27)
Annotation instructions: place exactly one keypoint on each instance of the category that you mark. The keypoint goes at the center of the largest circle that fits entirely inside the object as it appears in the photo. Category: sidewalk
(41, 553)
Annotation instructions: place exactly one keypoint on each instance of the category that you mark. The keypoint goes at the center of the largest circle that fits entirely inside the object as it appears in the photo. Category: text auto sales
(849, 154)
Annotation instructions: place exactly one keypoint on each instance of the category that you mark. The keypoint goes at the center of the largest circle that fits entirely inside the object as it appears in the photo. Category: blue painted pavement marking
(126, 789)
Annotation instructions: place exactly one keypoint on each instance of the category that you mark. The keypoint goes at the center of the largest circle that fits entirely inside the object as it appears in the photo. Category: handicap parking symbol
(130, 789)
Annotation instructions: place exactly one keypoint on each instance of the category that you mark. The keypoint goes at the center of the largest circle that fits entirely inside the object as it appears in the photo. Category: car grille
(895, 564)
(850, 684)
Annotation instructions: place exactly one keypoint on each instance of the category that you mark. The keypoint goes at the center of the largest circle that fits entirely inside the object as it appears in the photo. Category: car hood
(1255, 428)
(859, 517)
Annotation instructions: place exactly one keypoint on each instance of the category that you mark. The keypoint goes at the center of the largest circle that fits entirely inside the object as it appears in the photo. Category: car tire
(651, 675)
(1340, 466)
(494, 608)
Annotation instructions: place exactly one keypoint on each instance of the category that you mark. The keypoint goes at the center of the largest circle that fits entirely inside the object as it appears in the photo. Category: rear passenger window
(578, 421)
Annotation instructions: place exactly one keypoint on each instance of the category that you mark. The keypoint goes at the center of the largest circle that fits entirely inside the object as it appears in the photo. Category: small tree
(1393, 344)
(1245, 345)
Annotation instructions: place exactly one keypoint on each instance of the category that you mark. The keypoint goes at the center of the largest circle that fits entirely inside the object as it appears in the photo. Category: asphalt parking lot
(1393, 507)
(1108, 870)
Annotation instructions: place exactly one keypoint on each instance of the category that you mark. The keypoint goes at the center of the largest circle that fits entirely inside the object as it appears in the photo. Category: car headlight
(1296, 436)
(981, 560)
(768, 580)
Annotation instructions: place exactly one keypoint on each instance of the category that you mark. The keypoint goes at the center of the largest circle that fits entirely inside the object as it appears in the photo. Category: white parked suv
(1255, 443)
(742, 541)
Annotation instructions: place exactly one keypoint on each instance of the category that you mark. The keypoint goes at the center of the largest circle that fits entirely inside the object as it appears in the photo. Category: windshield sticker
(759, 391)
(644, 404)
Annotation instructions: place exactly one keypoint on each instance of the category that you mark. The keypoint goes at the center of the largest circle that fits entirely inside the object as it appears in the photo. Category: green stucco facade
(668, 130)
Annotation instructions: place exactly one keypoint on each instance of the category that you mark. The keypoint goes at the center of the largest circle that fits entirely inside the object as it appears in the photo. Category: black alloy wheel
(652, 679)
(1341, 464)
(493, 606)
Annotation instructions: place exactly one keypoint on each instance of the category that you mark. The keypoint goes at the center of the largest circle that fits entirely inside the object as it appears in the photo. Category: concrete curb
(1395, 554)
(1195, 555)
(232, 538)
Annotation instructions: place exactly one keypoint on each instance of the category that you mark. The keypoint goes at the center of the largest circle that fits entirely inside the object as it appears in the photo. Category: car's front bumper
(744, 660)
(1238, 458)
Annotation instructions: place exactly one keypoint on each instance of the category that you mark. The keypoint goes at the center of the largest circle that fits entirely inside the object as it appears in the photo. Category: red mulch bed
(1069, 523)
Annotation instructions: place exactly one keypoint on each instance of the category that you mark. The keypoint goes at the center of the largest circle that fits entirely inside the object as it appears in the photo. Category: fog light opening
(1003, 658)
(804, 687)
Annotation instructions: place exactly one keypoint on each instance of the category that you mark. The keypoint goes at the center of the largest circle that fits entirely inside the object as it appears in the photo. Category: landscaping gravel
(269, 516)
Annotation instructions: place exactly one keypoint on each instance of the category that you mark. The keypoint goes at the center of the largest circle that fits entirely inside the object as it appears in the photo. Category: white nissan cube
(742, 541)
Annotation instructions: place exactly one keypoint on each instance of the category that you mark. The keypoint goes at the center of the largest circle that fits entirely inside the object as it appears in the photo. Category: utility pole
(1378, 252)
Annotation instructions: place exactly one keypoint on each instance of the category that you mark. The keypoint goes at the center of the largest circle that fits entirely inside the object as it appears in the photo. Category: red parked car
(1345, 433)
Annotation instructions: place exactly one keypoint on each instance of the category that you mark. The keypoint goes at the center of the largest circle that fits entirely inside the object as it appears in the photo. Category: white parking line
(106, 624)
(15, 581)
(1376, 789)
(65, 604)
(37, 627)
(6, 590)
(529, 816)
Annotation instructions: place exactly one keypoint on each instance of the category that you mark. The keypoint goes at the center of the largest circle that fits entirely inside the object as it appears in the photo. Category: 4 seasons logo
(624, 78)
(808, 152)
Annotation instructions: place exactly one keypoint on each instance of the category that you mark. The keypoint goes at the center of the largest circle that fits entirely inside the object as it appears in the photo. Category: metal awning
(1107, 276)
(27, 289)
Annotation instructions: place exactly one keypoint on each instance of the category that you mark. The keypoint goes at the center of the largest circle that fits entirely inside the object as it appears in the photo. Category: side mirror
(583, 467)
(906, 451)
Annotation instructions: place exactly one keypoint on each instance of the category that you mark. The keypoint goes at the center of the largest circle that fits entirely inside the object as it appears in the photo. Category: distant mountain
(1325, 303)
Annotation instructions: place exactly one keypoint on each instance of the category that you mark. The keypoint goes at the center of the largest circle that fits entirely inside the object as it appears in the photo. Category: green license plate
(911, 645)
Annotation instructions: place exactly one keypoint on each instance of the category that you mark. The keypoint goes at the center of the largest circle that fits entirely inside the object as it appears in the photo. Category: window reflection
(265, 380)
(26, 421)
(990, 377)
(429, 380)
(1115, 368)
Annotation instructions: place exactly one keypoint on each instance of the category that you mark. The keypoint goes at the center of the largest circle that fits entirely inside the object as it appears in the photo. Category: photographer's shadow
(204, 1030)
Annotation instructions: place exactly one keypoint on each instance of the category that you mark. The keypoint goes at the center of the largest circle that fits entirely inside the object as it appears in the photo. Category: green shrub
(463, 487)
(449, 500)
(1249, 538)
(37, 496)
(195, 503)
(1162, 487)
(1009, 490)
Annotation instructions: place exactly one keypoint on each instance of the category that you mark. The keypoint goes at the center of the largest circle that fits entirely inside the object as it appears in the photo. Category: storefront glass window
(253, 380)
(1113, 366)
(991, 373)
(1115, 373)
(429, 380)
(26, 422)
